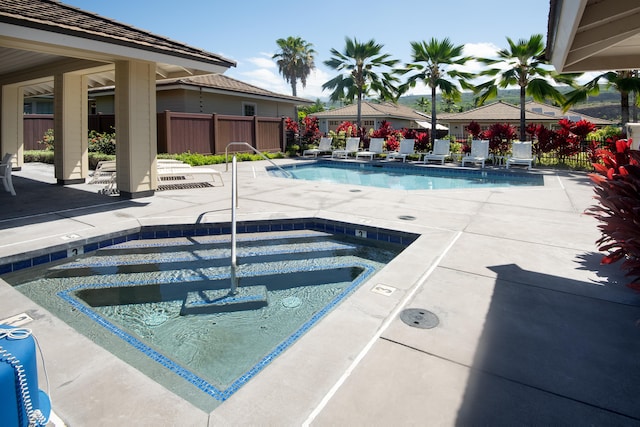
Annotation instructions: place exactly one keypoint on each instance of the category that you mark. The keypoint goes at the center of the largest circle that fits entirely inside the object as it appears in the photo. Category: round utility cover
(419, 318)
(291, 302)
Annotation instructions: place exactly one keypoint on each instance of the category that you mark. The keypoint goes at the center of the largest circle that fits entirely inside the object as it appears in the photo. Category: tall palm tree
(523, 65)
(295, 61)
(361, 61)
(624, 81)
(434, 61)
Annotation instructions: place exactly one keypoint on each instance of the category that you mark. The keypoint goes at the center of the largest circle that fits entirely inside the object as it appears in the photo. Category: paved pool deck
(532, 330)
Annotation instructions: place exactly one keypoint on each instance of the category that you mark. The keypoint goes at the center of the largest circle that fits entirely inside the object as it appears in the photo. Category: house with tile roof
(209, 94)
(373, 114)
(504, 112)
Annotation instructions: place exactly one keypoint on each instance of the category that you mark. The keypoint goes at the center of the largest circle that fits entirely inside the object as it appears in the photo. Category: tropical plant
(617, 188)
(295, 61)
(474, 129)
(434, 63)
(48, 140)
(500, 136)
(626, 82)
(523, 65)
(102, 142)
(366, 70)
(311, 133)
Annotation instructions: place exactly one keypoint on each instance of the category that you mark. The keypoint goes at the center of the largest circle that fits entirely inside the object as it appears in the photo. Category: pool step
(211, 301)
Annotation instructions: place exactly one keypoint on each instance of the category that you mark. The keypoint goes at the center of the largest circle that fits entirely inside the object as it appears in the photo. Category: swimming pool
(405, 177)
(129, 295)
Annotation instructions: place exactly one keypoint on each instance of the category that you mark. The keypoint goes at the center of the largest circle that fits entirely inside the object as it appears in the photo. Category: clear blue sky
(246, 30)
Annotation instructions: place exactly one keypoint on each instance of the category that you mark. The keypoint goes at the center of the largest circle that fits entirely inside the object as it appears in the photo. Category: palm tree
(523, 65)
(434, 61)
(360, 61)
(625, 81)
(295, 61)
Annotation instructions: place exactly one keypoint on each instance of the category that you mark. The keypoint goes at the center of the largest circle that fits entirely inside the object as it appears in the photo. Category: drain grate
(419, 318)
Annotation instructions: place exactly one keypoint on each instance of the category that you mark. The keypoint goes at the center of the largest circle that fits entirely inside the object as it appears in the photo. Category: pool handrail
(255, 150)
(234, 189)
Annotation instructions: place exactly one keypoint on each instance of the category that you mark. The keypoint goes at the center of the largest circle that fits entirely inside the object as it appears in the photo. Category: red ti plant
(499, 135)
(349, 128)
(617, 188)
(291, 125)
(421, 138)
(474, 129)
(311, 132)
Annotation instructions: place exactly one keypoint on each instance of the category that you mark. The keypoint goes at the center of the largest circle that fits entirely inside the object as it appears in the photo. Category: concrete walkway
(533, 331)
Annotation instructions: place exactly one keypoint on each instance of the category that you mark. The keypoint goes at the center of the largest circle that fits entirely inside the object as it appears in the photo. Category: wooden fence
(182, 132)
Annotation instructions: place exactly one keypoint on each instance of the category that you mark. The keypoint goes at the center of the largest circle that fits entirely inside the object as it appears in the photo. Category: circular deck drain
(419, 318)
(291, 302)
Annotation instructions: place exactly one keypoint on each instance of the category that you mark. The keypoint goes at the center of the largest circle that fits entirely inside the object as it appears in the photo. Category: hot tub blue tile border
(202, 384)
(188, 230)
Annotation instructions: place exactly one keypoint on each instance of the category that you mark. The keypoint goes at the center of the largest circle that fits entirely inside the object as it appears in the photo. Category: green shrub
(38, 156)
(47, 140)
(104, 143)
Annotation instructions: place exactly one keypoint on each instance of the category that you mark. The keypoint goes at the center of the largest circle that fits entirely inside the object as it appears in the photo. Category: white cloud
(264, 61)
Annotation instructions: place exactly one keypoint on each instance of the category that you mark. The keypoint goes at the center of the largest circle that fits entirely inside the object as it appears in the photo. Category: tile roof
(370, 109)
(54, 16)
(224, 83)
(503, 111)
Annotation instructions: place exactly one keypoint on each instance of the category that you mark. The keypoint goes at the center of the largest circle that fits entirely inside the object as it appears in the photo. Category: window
(334, 123)
(249, 109)
(370, 123)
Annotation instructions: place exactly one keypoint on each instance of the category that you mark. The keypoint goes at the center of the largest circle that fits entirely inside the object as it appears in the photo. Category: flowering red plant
(617, 181)
(348, 128)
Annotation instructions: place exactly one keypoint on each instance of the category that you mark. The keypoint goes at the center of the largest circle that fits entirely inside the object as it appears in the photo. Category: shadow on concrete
(554, 351)
(38, 201)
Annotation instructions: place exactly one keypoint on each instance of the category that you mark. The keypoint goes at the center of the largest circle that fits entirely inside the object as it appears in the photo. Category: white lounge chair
(441, 150)
(352, 146)
(520, 154)
(5, 173)
(406, 148)
(376, 145)
(479, 152)
(323, 147)
(169, 172)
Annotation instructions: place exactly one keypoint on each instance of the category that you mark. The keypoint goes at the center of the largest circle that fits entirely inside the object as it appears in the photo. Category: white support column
(12, 133)
(136, 140)
(70, 128)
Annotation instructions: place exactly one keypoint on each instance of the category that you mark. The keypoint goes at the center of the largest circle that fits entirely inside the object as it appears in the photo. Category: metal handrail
(226, 156)
(234, 196)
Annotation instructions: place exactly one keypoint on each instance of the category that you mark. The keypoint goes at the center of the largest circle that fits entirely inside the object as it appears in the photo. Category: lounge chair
(376, 145)
(323, 147)
(520, 154)
(5, 173)
(441, 150)
(169, 172)
(405, 149)
(352, 146)
(479, 152)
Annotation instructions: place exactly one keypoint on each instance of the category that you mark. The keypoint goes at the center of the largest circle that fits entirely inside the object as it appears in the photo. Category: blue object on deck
(20, 398)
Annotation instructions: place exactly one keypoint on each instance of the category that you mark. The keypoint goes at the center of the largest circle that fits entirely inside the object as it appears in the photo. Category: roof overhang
(594, 35)
(31, 57)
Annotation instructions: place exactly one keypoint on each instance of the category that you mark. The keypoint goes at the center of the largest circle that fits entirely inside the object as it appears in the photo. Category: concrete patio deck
(533, 331)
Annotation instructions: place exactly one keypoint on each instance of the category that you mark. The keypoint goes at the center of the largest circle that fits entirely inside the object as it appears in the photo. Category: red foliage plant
(421, 138)
(291, 125)
(311, 132)
(617, 188)
(499, 135)
(349, 128)
(474, 129)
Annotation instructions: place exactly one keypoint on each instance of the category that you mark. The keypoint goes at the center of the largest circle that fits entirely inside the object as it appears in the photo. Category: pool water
(406, 177)
(129, 297)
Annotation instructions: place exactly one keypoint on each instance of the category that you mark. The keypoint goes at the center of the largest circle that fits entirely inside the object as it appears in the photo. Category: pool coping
(77, 247)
